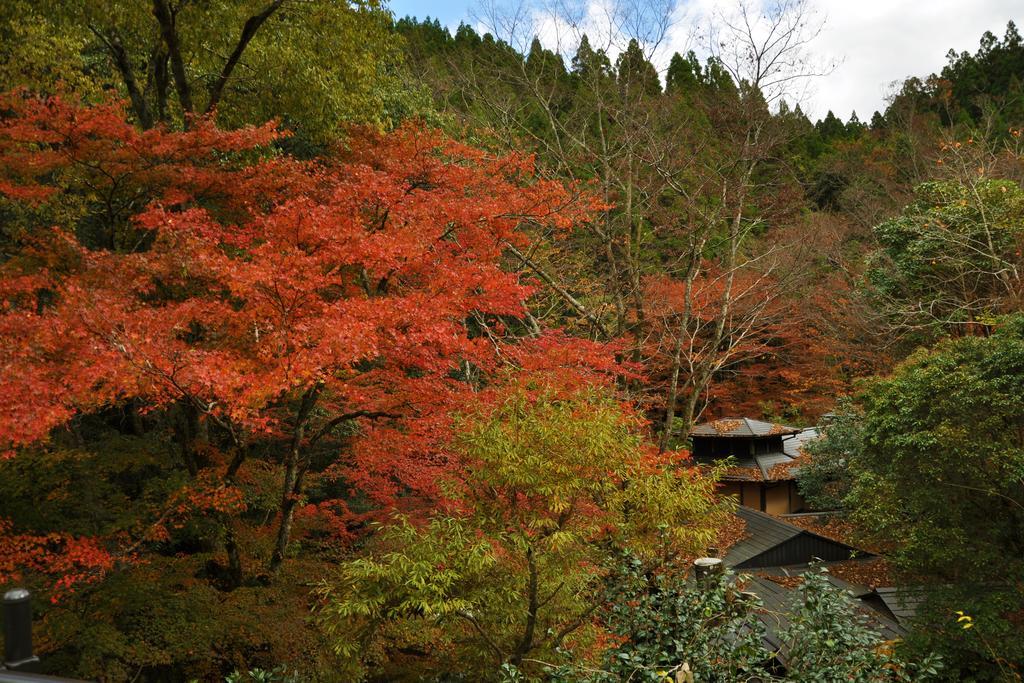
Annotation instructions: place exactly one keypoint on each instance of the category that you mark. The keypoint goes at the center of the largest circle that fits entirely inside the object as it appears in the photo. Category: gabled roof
(764, 532)
(741, 427)
(776, 465)
(771, 542)
(768, 539)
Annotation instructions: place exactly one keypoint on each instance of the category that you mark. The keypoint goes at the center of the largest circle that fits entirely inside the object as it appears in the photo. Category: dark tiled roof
(764, 532)
(774, 466)
(902, 602)
(778, 602)
(741, 427)
(765, 536)
(854, 589)
(769, 537)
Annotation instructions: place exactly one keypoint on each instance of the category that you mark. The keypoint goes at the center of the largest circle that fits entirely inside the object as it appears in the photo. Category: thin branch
(252, 25)
(561, 291)
(479, 629)
(124, 66)
(372, 414)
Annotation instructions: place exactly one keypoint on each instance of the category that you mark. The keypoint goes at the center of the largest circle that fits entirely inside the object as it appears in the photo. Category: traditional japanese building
(773, 554)
(764, 460)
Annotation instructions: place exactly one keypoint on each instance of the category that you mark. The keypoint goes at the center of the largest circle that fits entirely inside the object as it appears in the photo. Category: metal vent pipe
(18, 630)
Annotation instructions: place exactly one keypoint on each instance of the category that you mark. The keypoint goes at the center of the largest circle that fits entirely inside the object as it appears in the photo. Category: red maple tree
(323, 316)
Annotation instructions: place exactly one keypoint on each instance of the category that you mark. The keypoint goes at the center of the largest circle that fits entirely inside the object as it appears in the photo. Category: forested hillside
(341, 346)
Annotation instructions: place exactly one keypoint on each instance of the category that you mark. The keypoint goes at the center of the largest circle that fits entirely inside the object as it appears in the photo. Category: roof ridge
(763, 533)
(801, 529)
(760, 466)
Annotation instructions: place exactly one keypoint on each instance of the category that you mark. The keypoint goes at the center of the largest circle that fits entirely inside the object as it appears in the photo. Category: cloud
(876, 43)
(873, 43)
(883, 41)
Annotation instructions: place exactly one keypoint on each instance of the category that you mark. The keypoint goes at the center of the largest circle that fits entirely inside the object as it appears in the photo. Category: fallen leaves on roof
(791, 581)
(731, 533)
(726, 425)
(784, 471)
(736, 473)
(834, 527)
(872, 572)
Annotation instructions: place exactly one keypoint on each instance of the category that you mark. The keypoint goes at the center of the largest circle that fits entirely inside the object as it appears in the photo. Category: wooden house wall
(778, 498)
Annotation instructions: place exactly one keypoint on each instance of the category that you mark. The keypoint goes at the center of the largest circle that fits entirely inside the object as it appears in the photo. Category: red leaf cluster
(253, 281)
(74, 561)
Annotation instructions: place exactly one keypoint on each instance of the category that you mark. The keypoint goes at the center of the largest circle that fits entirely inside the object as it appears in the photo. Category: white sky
(873, 42)
(881, 41)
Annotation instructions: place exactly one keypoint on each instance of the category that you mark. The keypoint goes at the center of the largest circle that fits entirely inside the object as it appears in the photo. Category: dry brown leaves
(730, 534)
(872, 572)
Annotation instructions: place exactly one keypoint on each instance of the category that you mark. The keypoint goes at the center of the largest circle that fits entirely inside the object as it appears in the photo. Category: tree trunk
(166, 19)
(294, 470)
(288, 501)
(135, 418)
(117, 52)
(185, 430)
(526, 643)
(252, 25)
(235, 571)
(673, 388)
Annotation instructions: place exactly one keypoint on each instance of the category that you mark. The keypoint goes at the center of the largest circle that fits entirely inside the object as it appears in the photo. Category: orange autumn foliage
(272, 299)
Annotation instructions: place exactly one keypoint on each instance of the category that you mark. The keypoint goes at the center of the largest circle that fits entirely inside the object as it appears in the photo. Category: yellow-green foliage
(551, 488)
(586, 471)
(34, 54)
(314, 64)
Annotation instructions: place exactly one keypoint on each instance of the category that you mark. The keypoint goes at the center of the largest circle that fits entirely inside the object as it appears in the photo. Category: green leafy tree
(824, 477)
(985, 84)
(831, 127)
(712, 630)
(588, 63)
(940, 480)
(635, 73)
(828, 640)
(684, 73)
(854, 127)
(718, 78)
(312, 64)
(952, 259)
(36, 54)
(668, 621)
